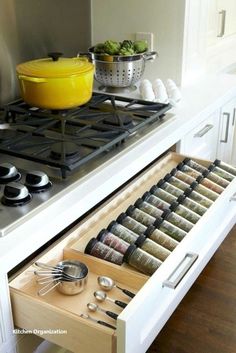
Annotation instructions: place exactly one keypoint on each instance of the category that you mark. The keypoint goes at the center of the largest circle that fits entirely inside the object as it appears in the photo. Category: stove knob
(15, 194)
(37, 181)
(8, 173)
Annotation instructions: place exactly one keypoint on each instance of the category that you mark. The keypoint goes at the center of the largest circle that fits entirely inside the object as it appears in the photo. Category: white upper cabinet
(227, 11)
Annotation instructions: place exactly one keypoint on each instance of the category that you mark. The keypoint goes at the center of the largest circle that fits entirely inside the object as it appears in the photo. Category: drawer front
(157, 296)
(143, 319)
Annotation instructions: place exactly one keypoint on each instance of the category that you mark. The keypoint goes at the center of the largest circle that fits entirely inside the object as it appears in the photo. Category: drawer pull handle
(180, 271)
(225, 140)
(233, 197)
(204, 130)
(222, 14)
(234, 117)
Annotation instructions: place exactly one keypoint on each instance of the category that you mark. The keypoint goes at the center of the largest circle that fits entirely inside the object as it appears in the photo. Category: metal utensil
(101, 296)
(68, 268)
(46, 289)
(94, 307)
(107, 283)
(85, 316)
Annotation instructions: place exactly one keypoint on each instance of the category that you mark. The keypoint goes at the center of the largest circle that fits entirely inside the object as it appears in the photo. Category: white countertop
(198, 101)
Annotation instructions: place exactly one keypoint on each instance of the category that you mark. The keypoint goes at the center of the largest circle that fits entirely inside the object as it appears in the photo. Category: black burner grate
(68, 139)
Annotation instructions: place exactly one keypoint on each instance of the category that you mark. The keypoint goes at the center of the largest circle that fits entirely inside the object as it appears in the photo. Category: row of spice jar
(149, 230)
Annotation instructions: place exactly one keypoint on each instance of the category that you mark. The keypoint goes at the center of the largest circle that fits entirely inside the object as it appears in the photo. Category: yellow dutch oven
(56, 83)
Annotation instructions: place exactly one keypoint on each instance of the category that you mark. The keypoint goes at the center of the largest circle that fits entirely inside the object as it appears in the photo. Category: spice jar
(152, 248)
(112, 241)
(228, 168)
(177, 220)
(195, 196)
(169, 188)
(102, 251)
(188, 170)
(186, 178)
(140, 216)
(175, 181)
(161, 238)
(184, 212)
(148, 208)
(198, 167)
(211, 195)
(155, 201)
(191, 204)
(131, 224)
(122, 232)
(141, 260)
(168, 228)
(162, 194)
(215, 178)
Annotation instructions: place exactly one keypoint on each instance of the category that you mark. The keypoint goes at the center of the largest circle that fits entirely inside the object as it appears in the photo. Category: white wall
(118, 20)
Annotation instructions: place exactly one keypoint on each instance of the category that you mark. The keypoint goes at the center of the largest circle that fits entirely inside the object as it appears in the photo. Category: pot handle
(84, 56)
(150, 55)
(32, 79)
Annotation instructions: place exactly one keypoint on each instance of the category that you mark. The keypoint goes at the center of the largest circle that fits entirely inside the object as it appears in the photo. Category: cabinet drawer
(157, 296)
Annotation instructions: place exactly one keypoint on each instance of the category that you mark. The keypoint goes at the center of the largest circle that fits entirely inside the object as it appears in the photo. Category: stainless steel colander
(119, 71)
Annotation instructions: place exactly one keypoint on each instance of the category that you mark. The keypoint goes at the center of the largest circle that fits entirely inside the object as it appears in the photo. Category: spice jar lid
(138, 202)
(186, 160)
(165, 213)
(181, 198)
(217, 162)
(187, 192)
(212, 167)
(121, 217)
(92, 242)
(130, 210)
(173, 171)
(129, 252)
(111, 225)
(158, 222)
(153, 189)
(180, 166)
(205, 173)
(55, 66)
(167, 177)
(199, 178)
(175, 204)
(149, 231)
(160, 183)
(146, 195)
(102, 234)
(193, 185)
(141, 239)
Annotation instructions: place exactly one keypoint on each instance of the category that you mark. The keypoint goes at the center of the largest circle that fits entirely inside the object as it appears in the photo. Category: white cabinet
(226, 131)
(202, 141)
(227, 12)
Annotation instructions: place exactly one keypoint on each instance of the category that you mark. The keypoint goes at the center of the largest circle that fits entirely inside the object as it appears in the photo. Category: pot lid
(55, 66)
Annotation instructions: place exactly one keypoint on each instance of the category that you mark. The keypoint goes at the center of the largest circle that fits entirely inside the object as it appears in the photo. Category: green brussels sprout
(99, 48)
(111, 47)
(128, 51)
(140, 46)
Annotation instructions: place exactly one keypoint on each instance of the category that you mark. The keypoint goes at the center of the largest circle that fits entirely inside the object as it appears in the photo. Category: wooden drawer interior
(58, 311)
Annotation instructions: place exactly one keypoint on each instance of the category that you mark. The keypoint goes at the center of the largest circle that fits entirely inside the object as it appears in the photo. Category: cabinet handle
(233, 197)
(225, 140)
(234, 113)
(204, 130)
(222, 14)
(180, 271)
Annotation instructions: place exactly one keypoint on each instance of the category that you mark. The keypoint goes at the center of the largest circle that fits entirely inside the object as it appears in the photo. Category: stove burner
(119, 119)
(66, 150)
(7, 134)
(66, 140)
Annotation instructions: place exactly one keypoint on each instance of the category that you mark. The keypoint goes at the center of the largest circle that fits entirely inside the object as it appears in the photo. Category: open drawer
(157, 296)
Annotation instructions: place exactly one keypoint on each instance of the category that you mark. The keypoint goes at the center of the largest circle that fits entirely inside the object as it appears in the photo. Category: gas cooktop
(44, 152)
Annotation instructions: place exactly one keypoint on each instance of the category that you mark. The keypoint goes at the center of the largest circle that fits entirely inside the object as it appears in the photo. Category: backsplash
(31, 29)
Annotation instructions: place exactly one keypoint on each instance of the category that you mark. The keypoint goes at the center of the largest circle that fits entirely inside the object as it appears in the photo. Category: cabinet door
(202, 141)
(226, 131)
(227, 12)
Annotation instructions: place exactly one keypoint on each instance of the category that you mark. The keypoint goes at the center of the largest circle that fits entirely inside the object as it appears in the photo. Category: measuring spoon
(85, 316)
(101, 296)
(107, 283)
(94, 307)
